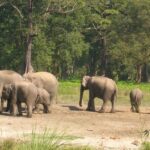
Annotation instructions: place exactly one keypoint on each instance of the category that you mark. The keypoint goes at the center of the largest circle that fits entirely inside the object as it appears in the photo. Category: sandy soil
(120, 130)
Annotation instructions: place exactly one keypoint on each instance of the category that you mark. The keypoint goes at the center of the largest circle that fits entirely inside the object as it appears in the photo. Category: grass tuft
(42, 141)
(145, 146)
(8, 144)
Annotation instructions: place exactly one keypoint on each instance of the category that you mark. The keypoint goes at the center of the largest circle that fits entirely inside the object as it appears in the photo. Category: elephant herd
(31, 88)
(42, 87)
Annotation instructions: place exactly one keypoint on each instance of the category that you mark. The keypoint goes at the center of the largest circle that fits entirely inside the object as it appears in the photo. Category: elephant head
(7, 91)
(84, 86)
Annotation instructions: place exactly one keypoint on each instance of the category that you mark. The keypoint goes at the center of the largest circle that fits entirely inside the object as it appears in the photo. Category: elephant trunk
(81, 95)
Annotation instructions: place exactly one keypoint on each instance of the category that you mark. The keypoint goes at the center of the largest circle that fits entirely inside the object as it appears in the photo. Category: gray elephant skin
(136, 95)
(27, 92)
(23, 92)
(101, 87)
(44, 80)
(7, 77)
(44, 99)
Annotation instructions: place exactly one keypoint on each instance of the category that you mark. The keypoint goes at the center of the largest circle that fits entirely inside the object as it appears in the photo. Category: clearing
(120, 130)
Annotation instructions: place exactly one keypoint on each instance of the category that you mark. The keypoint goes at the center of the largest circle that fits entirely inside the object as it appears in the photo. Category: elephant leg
(2, 105)
(14, 109)
(132, 108)
(29, 110)
(137, 108)
(8, 108)
(19, 108)
(53, 99)
(132, 105)
(47, 108)
(112, 104)
(37, 108)
(102, 110)
(91, 104)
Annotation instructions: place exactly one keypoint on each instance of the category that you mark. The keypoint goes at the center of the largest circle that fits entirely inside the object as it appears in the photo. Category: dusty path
(118, 130)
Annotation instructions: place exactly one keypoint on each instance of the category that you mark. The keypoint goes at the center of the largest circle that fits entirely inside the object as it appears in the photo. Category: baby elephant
(44, 99)
(23, 92)
(136, 96)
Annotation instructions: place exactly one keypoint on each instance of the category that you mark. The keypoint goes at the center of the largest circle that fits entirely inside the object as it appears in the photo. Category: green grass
(69, 92)
(145, 146)
(124, 89)
(43, 141)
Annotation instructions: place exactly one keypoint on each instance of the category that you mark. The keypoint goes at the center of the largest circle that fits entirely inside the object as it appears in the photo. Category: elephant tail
(115, 92)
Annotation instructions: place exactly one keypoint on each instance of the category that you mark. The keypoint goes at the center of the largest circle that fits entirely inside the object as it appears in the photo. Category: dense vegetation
(77, 37)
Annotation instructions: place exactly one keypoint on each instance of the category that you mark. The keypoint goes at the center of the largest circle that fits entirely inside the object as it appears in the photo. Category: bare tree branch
(60, 9)
(14, 6)
(17, 9)
(96, 29)
(3, 3)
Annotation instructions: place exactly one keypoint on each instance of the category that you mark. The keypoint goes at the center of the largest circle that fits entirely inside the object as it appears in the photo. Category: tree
(64, 31)
(131, 45)
(98, 28)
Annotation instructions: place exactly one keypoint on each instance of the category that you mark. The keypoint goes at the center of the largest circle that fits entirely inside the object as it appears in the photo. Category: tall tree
(28, 65)
(98, 24)
(131, 46)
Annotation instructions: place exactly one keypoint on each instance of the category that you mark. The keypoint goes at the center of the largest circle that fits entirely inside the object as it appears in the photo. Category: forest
(72, 38)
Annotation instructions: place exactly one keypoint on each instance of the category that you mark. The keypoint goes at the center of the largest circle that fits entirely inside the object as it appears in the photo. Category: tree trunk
(103, 56)
(139, 73)
(146, 73)
(28, 65)
(92, 68)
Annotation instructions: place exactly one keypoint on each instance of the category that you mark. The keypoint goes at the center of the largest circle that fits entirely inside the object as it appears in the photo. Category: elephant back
(9, 76)
(24, 89)
(44, 80)
(103, 82)
(136, 94)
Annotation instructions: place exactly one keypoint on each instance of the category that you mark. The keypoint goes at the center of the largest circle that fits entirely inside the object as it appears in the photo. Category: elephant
(44, 99)
(101, 87)
(7, 77)
(22, 91)
(27, 92)
(44, 80)
(136, 95)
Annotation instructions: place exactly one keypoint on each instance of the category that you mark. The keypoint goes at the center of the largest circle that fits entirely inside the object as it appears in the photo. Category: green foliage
(131, 42)
(42, 50)
(69, 37)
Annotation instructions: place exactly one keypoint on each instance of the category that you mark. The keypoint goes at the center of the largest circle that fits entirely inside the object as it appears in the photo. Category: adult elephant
(7, 77)
(101, 87)
(44, 80)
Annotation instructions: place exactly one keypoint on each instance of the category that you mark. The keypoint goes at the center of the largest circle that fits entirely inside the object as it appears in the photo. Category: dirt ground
(120, 130)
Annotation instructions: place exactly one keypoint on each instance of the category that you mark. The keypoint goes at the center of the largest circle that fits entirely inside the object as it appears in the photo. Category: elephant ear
(85, 81)
(7, 89)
